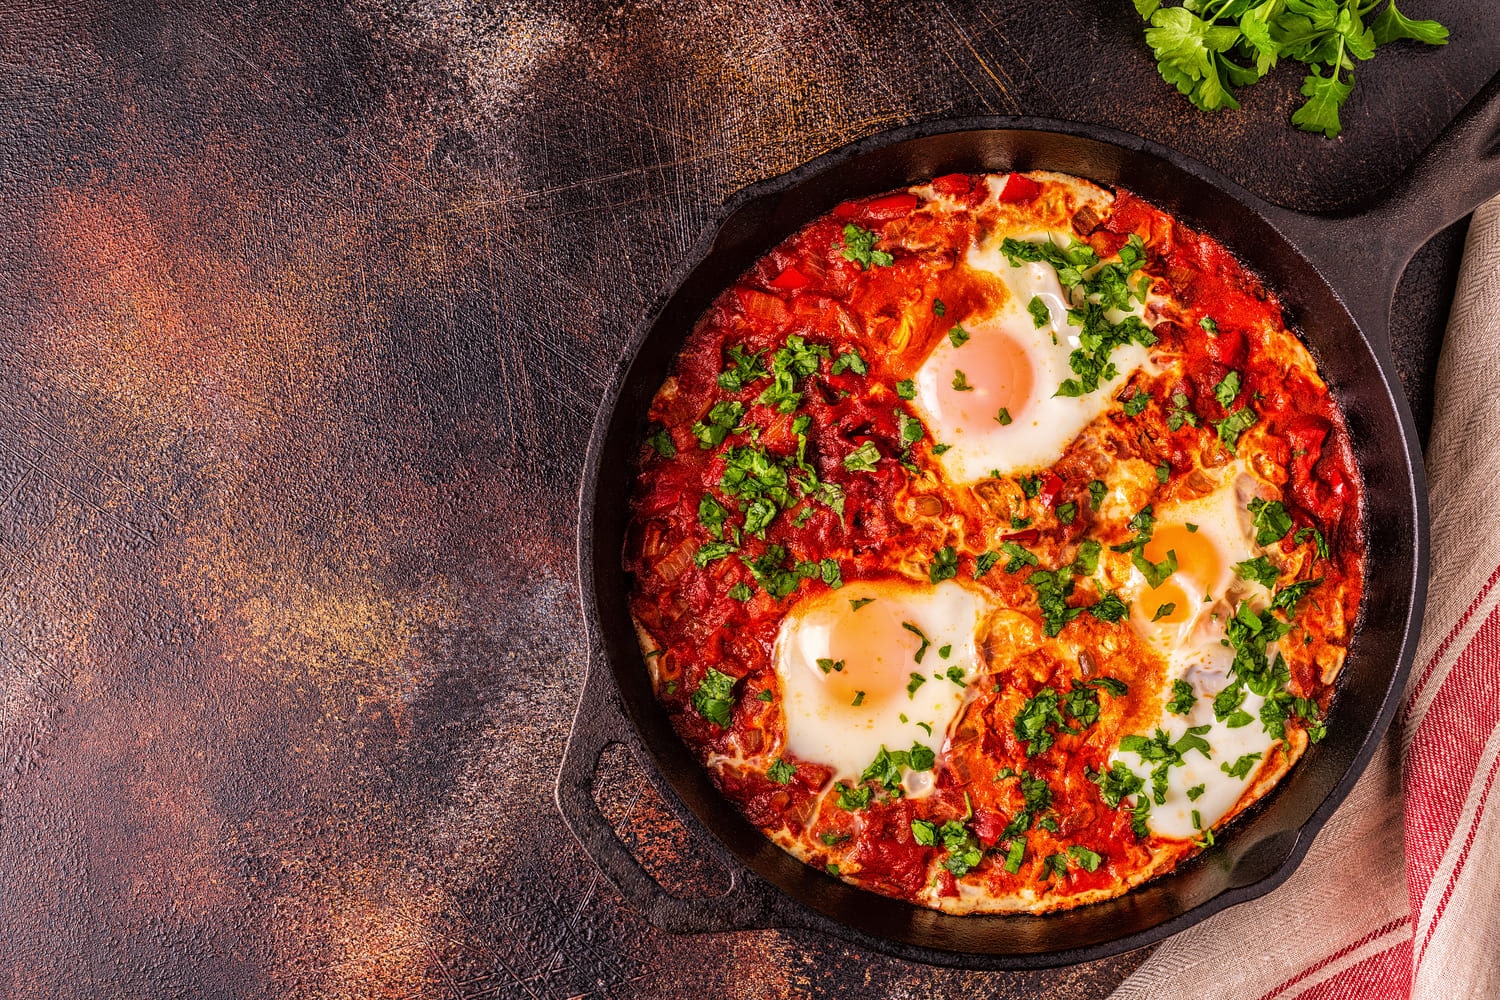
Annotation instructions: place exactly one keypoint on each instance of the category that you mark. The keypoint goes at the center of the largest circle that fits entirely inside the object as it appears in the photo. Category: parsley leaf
(1183, 698)
(1260, 569)
(926, 642)
(1087, 859)
(906, 389)
(944, 565)
(661, 442)
(863, 458)
(743, 369)
(985, 563)
(781, 772)
(957, 335)
(714, 697)
(1231, 427)
(1096, 494)
(1271, 520)
(1110, 608)
(1040, 317)
(1227, 389)
(1241, 767)
(859, 246)
(961, 381)
(1019, 557)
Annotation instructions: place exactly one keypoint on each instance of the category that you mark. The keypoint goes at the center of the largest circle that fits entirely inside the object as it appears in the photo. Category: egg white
(1044, 424)
(878, 658)
(1195, 652)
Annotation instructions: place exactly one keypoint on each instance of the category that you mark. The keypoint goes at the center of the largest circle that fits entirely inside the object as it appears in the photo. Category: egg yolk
(989, 372)
(873, 655)
(1198, 564)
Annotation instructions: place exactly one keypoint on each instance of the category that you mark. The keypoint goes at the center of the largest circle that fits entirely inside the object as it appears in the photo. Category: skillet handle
(1364, 252)
(748, 904)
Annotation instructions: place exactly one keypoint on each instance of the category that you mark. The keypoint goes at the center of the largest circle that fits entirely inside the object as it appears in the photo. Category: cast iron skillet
(1336, 275)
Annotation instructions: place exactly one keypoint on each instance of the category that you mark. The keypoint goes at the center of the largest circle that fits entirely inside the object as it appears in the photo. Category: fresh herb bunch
(1205, 47)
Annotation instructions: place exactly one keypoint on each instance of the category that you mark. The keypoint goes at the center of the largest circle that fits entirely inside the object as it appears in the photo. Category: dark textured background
(306, 314)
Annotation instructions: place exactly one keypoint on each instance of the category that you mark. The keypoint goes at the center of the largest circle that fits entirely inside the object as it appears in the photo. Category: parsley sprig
(1206, 47)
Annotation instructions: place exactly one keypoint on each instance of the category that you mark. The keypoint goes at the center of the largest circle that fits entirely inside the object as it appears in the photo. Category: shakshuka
(995, 543)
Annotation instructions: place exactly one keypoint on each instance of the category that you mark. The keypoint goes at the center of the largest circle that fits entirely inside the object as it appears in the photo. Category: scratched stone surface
(307, 311)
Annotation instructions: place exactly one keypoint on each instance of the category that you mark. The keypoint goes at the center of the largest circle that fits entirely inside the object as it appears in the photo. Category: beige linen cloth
(1399, 896)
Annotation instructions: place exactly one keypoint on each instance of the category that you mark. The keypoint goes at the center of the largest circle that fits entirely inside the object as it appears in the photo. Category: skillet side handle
(1365, 252)
(748, 904)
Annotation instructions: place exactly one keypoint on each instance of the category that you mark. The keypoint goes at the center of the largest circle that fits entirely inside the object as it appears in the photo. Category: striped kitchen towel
(1347, 925)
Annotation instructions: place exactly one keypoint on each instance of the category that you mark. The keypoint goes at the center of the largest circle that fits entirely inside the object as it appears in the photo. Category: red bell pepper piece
(790, 280)
(1027, 537)
(1018, 188)
(952, 184)
(1052, 485)
(892, 206)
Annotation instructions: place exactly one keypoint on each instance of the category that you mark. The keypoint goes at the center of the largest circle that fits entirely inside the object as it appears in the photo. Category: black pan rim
(1130, 144)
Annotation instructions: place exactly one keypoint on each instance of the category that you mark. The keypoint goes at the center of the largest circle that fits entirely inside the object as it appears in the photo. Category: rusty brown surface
(306, 314)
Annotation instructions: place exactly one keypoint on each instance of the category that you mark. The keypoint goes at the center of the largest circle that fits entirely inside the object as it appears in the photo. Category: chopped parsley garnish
(1115, 687)
(861, 602)
(1180, 413)
(716, 426)
(1054, 864)
(1014, 855)
(711, 515)
(961, 381)
(1231, 427)
(917, 680)
(1032, 724)
(1087, 559)
(1320, 545)
(1003, 417)
(859, 246)
(828, 665)
(831, 839)
(1155, 573)
(985, 563)
(938, 308)
(958, 336)
(910, 427)
(769, 571)
(1052, 590)
(1183, 698)
(859, 699)
(963, 848)
(1227, 706)
(1227, 389)
(851, 799)
(926, 642)
(1287, 597)
(1136, 402)
(1039, 314)
(1066, 512)
(1030, 485)
(924, 832)
(1096, 494)
(743, 369)
(849, 361)
(740, 592)
(885, 769)
(1163, 472)
(1272, 522)
(661, 442)
(1162, 610)
(1019, 557)
(1241, 767)
(710, 551)
(765, 695)
(1087, 859)
(1260, 569)
(1109, 608)
(1117, 783)
(944, 565)
(1209, 326)
(1196, 792)
(906, 389)
(863, 458)
(938, 449)
(714, 698)
(781, 772)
